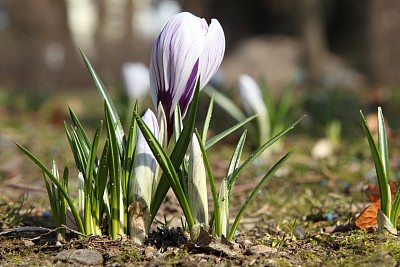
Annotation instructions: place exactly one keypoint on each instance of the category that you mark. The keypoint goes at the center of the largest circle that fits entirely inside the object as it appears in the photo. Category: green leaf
(255, 191)
(382, 144)
(225, 103)
(100, 186)
(284, 105)
(79, 128)
(116, 123)
(227, 132)
(117, 226)
(78, 148)
(59, 186)
(234, 163)
(130, 149)
(379, 168)
(208, 119)
(89, 180)
(258, 152)
(56, 216)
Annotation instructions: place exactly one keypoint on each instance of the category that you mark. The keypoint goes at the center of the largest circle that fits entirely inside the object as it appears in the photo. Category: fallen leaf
(368, 218)
(372, 190)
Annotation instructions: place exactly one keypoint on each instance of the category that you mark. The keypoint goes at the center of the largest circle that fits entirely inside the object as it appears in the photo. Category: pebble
(80, 256)
(244, 242)
(271, 262)
(299, 232)
(260, 249)
(150, 252)
(28, 243)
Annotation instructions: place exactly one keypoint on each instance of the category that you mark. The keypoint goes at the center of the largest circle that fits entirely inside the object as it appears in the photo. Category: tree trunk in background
(313, 34)
(100, 39)
(199, 8)
(45, 55)
(384, 29)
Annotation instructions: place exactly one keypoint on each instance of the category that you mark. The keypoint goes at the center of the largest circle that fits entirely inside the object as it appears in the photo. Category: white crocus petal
(251, 95)
(252, 99)
(197, 183)
(141, 182)
(81, 194)
(174, 61)
(223, 204)
(136, 79)
(186, 49)
(163, 140)
(213, 52)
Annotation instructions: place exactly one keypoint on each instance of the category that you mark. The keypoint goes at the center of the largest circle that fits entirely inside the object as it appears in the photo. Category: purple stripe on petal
(186, 48)
(187, 95)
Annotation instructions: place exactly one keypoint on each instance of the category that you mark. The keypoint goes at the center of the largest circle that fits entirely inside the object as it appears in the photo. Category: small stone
(299, 232)
(271, 262)
(260, 249)
(81, 256)
(28, 243)
(150, 252)
(159, 254)
(322, 149)
(244, 242)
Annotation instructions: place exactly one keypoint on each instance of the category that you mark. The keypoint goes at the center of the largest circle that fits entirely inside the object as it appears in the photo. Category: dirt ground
(304, 216)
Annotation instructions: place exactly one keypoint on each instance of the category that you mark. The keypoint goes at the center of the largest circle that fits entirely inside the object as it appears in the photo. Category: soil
(304, 216)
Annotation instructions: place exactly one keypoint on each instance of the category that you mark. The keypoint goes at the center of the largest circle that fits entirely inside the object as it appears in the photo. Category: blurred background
(336, 53)
(319, 43)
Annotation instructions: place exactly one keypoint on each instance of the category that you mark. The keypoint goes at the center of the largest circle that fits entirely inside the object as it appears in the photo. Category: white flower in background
(136, 79)
(253, 102)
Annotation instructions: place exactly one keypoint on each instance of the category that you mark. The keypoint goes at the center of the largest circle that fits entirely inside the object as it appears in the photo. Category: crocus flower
(252, 99)
(197, 183)
(186, 49)
(141, 184)
(136, 79)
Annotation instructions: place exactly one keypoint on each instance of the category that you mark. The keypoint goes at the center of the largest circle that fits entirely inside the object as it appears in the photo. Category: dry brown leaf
(372, 190)
(368, 218)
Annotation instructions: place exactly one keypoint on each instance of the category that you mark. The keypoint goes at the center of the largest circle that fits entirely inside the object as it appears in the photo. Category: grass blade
(117, 222)
(227, 132)
(258, 152)
(59, 186)
(379, 168)
(225, 103)
(130, 148)
(255, 191)
(234, 163)
(116, 123)
(382, 144)
(208, 119)
(89, 173)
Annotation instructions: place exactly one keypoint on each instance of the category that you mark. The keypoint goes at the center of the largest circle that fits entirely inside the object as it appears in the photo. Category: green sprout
(389, 212)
